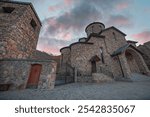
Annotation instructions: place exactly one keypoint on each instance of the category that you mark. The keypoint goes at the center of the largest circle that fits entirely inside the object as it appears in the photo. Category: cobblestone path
(138, 89)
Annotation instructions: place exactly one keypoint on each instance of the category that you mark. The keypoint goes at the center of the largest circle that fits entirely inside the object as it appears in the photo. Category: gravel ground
(136, 90)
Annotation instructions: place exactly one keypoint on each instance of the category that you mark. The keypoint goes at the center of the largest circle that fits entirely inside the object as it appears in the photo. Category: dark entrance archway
(93, 61)
(135, 61)
(34, 76)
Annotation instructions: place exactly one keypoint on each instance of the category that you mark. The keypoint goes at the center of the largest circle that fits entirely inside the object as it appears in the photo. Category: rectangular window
(102, 55)
(8, 9)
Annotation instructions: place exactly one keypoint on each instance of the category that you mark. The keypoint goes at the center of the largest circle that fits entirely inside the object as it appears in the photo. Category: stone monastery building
(104, 51)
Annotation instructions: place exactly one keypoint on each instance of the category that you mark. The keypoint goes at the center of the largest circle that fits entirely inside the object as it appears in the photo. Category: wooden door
(34, 76)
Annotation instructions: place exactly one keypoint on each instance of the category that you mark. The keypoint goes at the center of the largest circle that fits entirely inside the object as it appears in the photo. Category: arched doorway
(135, 61)
(94, 60)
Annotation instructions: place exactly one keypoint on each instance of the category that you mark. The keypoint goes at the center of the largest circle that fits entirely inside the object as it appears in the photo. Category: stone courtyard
(95, 66)
(138, 89)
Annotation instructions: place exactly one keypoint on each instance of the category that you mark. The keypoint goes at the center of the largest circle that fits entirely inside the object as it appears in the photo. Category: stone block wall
(97, 44)
(65, 55)
(145, 49)
(16, 72)
(18, 38)
(80, 58)
(113, 40)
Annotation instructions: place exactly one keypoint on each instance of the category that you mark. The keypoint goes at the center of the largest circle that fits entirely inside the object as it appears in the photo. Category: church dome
(95, 27)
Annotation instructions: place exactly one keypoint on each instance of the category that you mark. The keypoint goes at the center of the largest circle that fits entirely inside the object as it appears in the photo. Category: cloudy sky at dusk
(64, 21)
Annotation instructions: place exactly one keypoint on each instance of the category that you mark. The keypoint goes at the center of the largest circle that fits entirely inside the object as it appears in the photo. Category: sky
(64, 21)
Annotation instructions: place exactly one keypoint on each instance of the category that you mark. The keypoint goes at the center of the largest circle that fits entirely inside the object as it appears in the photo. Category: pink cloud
(55, 29)
(122, 6)
(68, 2)
(65, 35)
(55, 7)
(142, 37)
(60, 6)
(51, 49)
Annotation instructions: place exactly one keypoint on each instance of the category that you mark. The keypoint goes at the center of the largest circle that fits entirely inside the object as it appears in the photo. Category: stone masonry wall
(116, 68)
(145, 48)
(65, 55)
(16, 72)
(113, 42)
(17, 36)
(80, 58)
(82, 53)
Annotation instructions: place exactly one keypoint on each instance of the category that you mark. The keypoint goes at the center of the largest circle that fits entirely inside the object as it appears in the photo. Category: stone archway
(135, 61)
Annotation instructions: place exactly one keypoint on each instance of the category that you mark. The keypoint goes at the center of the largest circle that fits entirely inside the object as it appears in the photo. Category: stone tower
(21, 65)
(19, 30)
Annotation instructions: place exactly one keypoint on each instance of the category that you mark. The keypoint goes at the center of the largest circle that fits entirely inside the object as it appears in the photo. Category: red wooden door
(34, 76)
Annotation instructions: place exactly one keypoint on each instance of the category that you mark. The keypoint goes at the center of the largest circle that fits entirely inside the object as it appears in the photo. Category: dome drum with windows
(95, 27)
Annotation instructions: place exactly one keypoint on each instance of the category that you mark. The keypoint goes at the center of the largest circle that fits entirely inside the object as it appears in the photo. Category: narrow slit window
(33, 24)
(62, 59)
(8, 9)
(102, 55)
(114, 35)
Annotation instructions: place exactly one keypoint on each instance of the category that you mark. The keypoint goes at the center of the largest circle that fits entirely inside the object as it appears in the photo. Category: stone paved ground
(138, 89)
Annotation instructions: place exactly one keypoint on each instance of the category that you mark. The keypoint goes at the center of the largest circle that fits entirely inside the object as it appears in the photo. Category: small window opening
(102, 54)
(114, 35)
(8, 9)
(62, 59)
(33, 24)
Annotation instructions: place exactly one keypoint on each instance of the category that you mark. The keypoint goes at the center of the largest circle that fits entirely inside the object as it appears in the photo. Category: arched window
(33, 24)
